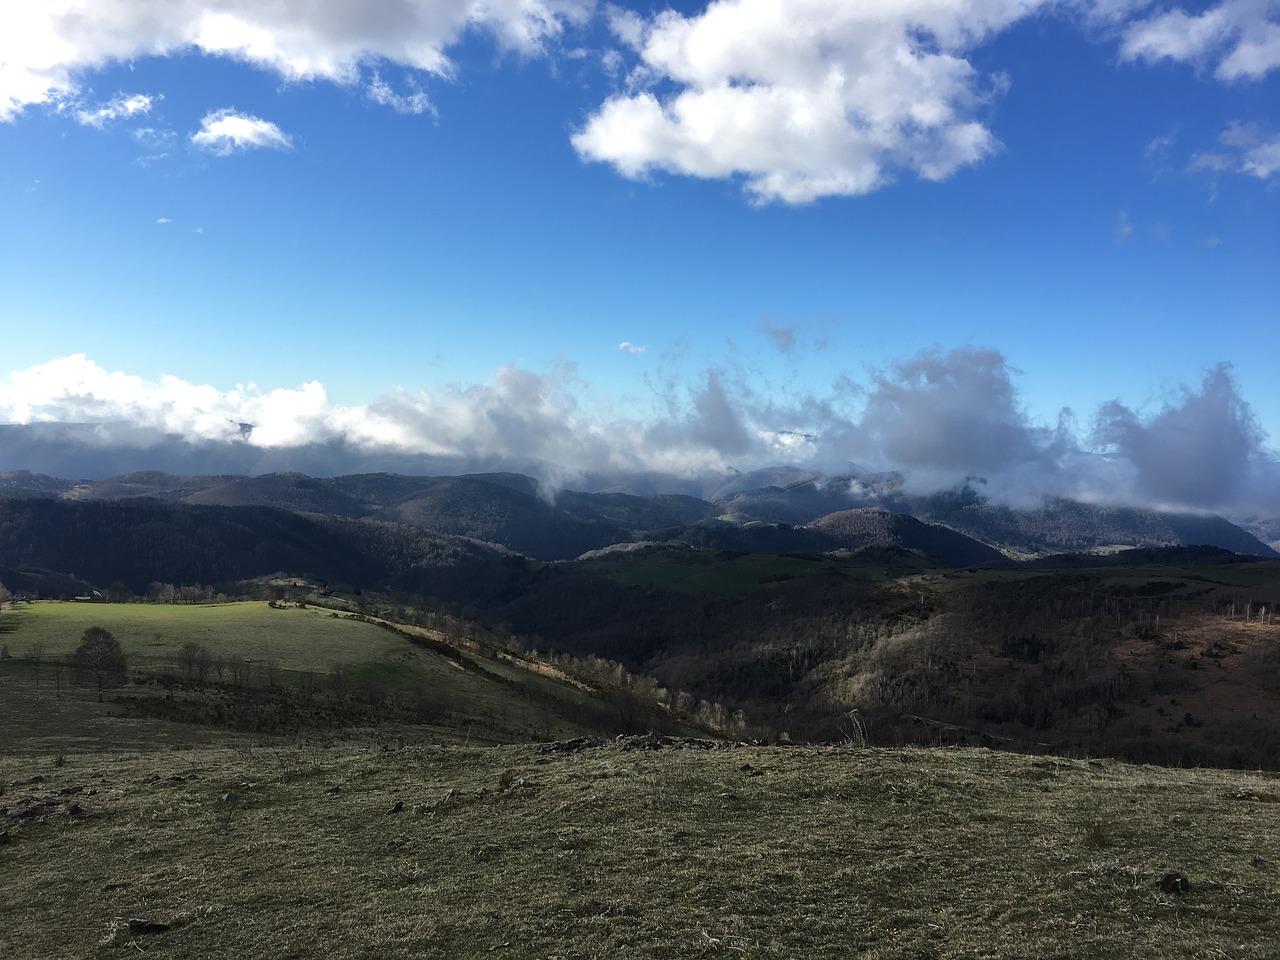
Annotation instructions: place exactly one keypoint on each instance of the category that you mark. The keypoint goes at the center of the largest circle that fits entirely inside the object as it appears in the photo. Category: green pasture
(151, 634)
(39, 707)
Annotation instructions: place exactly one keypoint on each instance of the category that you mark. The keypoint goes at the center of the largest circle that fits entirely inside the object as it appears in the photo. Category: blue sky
(627, 236)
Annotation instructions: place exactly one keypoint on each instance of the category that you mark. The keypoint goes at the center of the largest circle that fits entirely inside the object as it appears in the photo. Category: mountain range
(795, 513)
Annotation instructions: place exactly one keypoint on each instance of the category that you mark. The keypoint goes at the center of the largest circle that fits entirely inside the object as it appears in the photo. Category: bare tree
(35, 653)
(187, 655)
(99, 661)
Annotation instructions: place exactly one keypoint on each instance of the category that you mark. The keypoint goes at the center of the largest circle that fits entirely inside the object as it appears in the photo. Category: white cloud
(380, 92)
(163, 220)
(1251, 151)
(937, 416)
(225, 131)
(118, 108)
(803, 99)
(1239, 39)
(1199, 450)
(630, 347)
(1262, 159)
(47, 46)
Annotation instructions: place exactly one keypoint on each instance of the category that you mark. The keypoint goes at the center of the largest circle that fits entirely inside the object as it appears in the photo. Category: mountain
(285, 491)
(24, 483)
(870, 526)
(136, 542)
(1057, 525)
(519, 513)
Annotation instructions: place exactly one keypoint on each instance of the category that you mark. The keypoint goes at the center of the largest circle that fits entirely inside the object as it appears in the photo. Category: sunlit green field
(259, 647)
(297, 639)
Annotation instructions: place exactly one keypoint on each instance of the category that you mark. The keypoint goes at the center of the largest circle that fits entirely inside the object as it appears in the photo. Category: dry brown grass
(756, 852)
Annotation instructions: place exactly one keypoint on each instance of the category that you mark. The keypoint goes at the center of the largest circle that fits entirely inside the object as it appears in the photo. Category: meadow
(269, 661)
(306, 638)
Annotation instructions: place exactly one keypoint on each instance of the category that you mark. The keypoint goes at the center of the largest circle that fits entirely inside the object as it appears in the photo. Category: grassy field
(604, 852)
(276, 651)
(151, 634)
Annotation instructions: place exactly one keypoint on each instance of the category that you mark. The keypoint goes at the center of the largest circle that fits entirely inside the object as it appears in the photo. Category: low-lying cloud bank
(940, 418)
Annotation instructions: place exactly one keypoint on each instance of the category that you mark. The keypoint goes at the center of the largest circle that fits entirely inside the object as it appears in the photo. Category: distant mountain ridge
(809, 514)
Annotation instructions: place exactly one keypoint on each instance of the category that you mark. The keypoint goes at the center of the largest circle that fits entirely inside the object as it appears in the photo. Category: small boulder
(397, 807)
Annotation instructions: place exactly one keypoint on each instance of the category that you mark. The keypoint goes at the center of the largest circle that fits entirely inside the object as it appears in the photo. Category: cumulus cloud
(225, 131)
(633, 348)
(938, 418)
(1201, 450)
(47, 47)
(1238, 39)
(804, 99)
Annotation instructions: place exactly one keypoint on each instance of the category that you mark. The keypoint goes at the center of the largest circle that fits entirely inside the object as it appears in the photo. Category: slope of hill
(138, 541)
(647, 848)
(150, 483)
(25, 484)
(501, 512)
(873, 527)
(284, 491)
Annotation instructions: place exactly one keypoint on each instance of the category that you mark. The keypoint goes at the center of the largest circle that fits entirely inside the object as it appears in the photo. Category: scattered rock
(230, 796)
(1241, 793)
(75, 810)
(70, 791)
(333, 789)
(4, 837)
(151, 779)
(36, 779)
(396, 807)
(1173, 882)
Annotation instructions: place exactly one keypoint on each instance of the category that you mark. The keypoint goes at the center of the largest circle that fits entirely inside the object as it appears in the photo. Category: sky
(1031, 241)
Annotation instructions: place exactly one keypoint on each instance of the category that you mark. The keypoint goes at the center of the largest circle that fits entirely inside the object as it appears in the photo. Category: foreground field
(660, 850)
